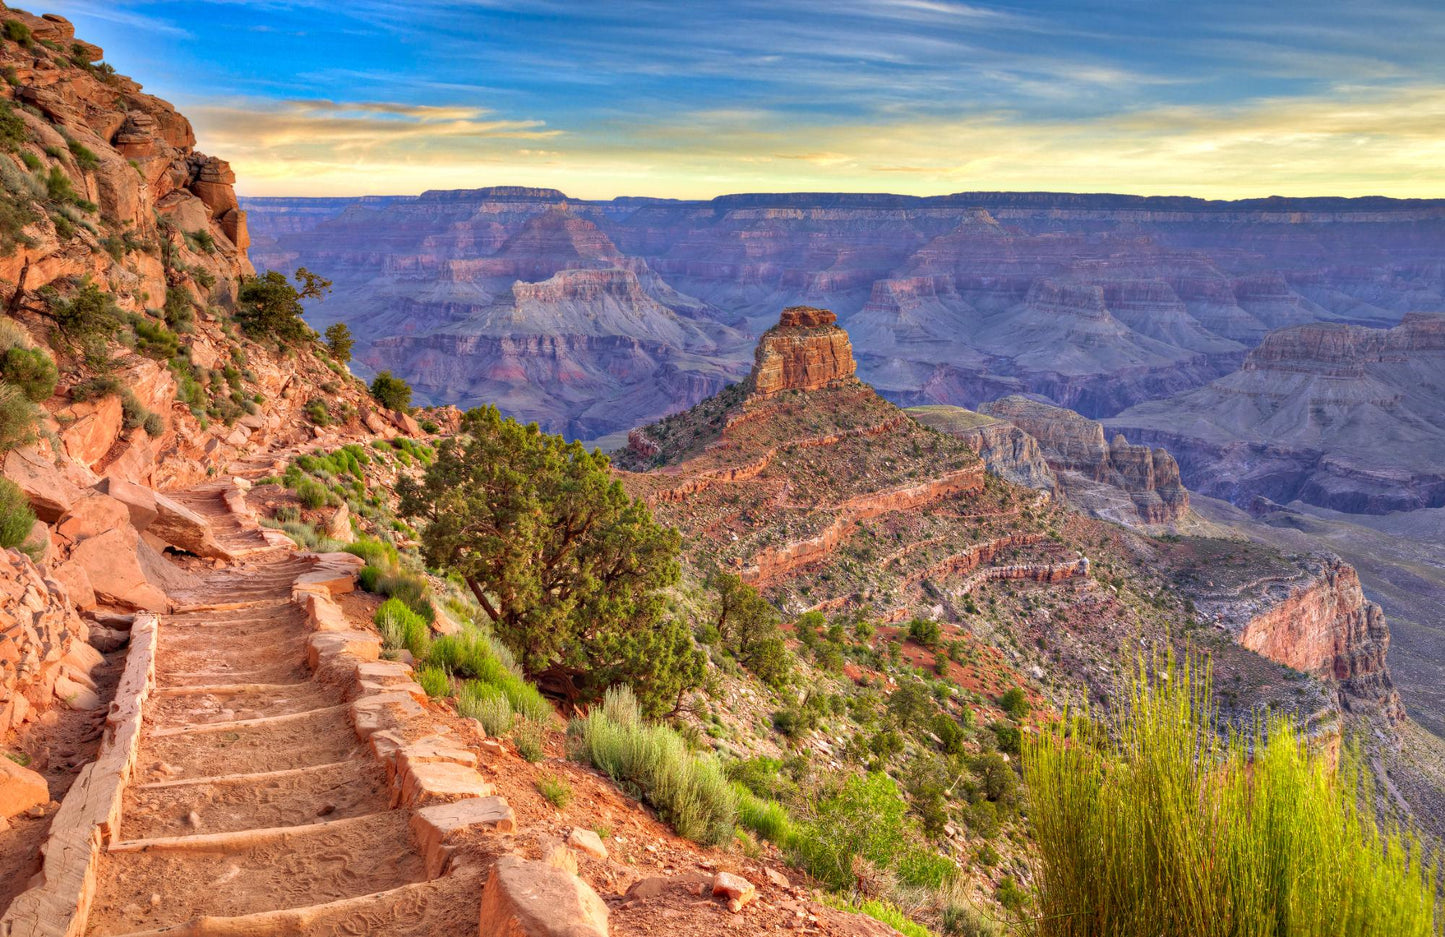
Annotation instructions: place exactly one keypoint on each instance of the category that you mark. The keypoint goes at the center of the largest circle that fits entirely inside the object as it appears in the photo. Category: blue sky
(697, 99)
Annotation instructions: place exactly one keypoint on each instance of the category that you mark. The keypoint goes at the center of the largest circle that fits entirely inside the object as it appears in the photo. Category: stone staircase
(264, 772)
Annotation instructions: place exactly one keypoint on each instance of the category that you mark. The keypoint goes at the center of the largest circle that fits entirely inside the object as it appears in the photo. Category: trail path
(251, 793)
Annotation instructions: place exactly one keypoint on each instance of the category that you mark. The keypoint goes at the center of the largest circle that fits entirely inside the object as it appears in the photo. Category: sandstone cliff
(805, 351)
(108, 211)
(1006, 450)
(1132, 485)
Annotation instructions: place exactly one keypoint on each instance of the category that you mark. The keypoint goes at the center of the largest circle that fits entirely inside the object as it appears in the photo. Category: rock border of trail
(89, 817)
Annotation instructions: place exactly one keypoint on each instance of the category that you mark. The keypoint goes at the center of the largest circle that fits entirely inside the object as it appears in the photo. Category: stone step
(199, 728)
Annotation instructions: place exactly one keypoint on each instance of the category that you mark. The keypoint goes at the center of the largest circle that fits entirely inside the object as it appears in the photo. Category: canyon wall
(1097, 302)
(1339, 416)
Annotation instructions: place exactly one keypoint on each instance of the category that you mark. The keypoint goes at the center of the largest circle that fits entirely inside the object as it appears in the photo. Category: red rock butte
(806, 350)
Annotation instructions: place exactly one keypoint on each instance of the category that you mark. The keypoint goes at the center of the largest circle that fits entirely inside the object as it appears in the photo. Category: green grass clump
(767, 818)
(377, 553)
(557, 791)
(885, 912)
(434, 681)
(312, 493)
(1156, 826)
(401, 627)
(653, 763)
(529, 737)
(368, 578)
(486, 704)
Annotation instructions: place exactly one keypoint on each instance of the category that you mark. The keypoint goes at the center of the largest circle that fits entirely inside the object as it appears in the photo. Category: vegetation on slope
(1151, 824)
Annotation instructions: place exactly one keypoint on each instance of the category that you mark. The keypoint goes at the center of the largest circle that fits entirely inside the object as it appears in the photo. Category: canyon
(1096, 302)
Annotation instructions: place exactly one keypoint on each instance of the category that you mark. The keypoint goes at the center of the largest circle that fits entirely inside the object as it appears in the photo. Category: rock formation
(1340, 416)
(1313, 617)
(806, 350)
(1006, 450)
(1132, 485)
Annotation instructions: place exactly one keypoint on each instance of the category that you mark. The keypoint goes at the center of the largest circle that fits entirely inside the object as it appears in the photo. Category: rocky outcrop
(1339, 416)
(1317, 620)
(806, 350)
(44, 658)
(1006, 450)
(1133, 485)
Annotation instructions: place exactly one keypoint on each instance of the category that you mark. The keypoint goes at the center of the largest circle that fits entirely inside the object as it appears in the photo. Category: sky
(695, 99)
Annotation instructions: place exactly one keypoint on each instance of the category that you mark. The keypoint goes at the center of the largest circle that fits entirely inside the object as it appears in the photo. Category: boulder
(112, 563)
(534, 899)
(138, 500)
(20, 789)
(585, 840)
(181, 527)
(49, 491)
(91, 515)
(338, 527)
(93, 428)
(737, 890)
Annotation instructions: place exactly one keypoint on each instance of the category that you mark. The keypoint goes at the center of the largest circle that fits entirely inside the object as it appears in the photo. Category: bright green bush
(434, 681)
(31, 370)
(16, 518)
(312, 493)
(377, 553)
(488, 705)
(1156, 826)
(368, 578)
(556, 790)
(391, 391)
(767, 818)
(17, 418)
(866, 818)
(401, 627)
(653, 763)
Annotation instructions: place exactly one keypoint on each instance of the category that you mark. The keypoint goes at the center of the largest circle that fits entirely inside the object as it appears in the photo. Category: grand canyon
(494, 561)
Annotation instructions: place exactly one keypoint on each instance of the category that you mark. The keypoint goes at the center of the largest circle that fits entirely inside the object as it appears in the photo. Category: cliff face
(106, 206)
(805, 351)
(1313, 618)
(1133, 485)
(1340, 416)
(1006, 450)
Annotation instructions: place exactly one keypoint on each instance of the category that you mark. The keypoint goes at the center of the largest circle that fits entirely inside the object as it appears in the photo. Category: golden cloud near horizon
(1356, 141)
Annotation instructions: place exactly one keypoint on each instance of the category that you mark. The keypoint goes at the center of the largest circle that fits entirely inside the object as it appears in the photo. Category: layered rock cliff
(1006, 450)
(1312, 616)
(805, 351)
(1339, 416)
(1133, 485)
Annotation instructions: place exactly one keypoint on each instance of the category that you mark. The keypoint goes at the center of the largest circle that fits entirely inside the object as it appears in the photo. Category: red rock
(534, 899)
(49, 491)
(20, 789)
(139, 501)
(804, 351)
(737, 890)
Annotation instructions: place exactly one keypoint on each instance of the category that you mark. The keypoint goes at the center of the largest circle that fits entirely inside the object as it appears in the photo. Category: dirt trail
(251, 792)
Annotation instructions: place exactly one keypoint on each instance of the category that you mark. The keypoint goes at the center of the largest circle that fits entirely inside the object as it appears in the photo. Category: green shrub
(488, 705)
(1154, 825)
(339, 341)
(767, 818)
(391, 391)
(368, 578)
(317, 413)
(16, 518)
(17, 31)
(653, 763)
(155, 340)
(270, 306)
(14, 133)
(557, 791)
(887, 913)
(866, 818)
(1014, 702)
(85, 158)
(925, 631)
(401, 627)
(377, 553)
(31, 370)
(312, 493)
(90, 312)
(179, 310)
(434, 681)
(529, 737)
(18, 418)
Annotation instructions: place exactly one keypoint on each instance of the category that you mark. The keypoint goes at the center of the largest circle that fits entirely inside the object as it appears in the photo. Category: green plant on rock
(567, 567)
(270, 306)
(18, 418)
(32, 370)
(391, 391)
(16, 517)
(339, 342)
